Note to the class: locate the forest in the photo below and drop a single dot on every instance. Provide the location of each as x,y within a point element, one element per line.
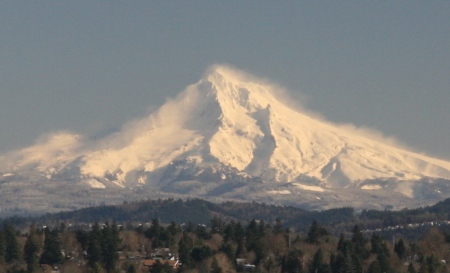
<point>228,237</point>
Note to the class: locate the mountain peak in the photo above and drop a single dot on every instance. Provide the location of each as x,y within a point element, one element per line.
<point>231,127</point>
<point>224,73</point>
<point>235,89</point>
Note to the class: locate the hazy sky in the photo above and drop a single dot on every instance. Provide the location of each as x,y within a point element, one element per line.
<point>90,66</point>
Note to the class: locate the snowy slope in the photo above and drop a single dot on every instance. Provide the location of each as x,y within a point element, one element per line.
<point>228,126</point>
<point>225,118</point>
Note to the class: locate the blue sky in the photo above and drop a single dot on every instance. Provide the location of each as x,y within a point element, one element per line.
<point>90,66</point>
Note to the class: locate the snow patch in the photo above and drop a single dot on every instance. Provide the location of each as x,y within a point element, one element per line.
<point>93,183</point>
<point>371,187</point>
<point>309,187</point>
<point>279,192</point>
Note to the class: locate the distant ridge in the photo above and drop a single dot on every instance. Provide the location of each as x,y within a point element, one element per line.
<point>414,222</point>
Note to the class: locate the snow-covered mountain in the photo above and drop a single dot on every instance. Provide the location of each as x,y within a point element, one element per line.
<point>230,135</point>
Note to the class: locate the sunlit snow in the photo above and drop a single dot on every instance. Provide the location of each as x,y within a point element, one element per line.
<point>371,187</point>
<point>94,183</point>
<point>309,187</point>
<point>279,192</point>
<point>237,121</point>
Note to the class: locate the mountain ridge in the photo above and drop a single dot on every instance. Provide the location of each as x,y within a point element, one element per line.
<point>228,128</point>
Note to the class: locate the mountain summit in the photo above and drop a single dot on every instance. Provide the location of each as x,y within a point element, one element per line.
<point>230,135</point>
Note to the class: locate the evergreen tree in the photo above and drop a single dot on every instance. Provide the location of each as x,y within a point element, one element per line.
<point>384,263</point>
<point>215,268</point>
<point>184,250</point>
<point>344,262</point>
<point>240,249</point>
<point>278,227</point>
<point>52,248</point>
<point>317,264</point>
<point>229,232</point>
<point>189,227</point>
<point>262,228</point>
<point>239,237</point>
<point>109,244</point>
<point>229,251</point>
<point>374,267</point>
<point>357,236</point>
<point>270,264</point>
<point>432,263</point>
<point>337,263</point>
<point>12,252</point>
<point>292,263</point>
<point>423,267</point>
<point>96,268</point>
<point>359,243</point>
<point>357,262</point>
<point>62,227</point>
<point>239,233</point>
<point>217,225</point>
<point>94,249</point>
<point>2,245</point>
<point>348,265</point>
<point>159,267</point>
<point>315,232</point>
<point>341,243</point>
<point>154,233</point>
<point>83,238</point>
<point>347,249</point>
<point>411,268</point>
<point>400,249</point>
<point>378,245</point>
<point>201,253</point>
<point>202,233</point>
<point>173,229</point>
<point>252,234</point>
<point>131,269</point>
<point>31,252</point>
<point>139,229</point>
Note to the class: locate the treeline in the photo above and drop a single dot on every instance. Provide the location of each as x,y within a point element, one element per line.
<point>192,210</point>
<point>218,247</point>
<point>41,249</point>
<point>438,212</point>
<point>201,212</point>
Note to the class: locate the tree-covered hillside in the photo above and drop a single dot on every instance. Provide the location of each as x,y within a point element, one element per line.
<point>199,211</point>
<point>219,246</point>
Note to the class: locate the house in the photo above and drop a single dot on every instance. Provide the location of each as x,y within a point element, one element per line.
<point>49,269</point>
<point>242,265</point>
<point>149,263</point>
